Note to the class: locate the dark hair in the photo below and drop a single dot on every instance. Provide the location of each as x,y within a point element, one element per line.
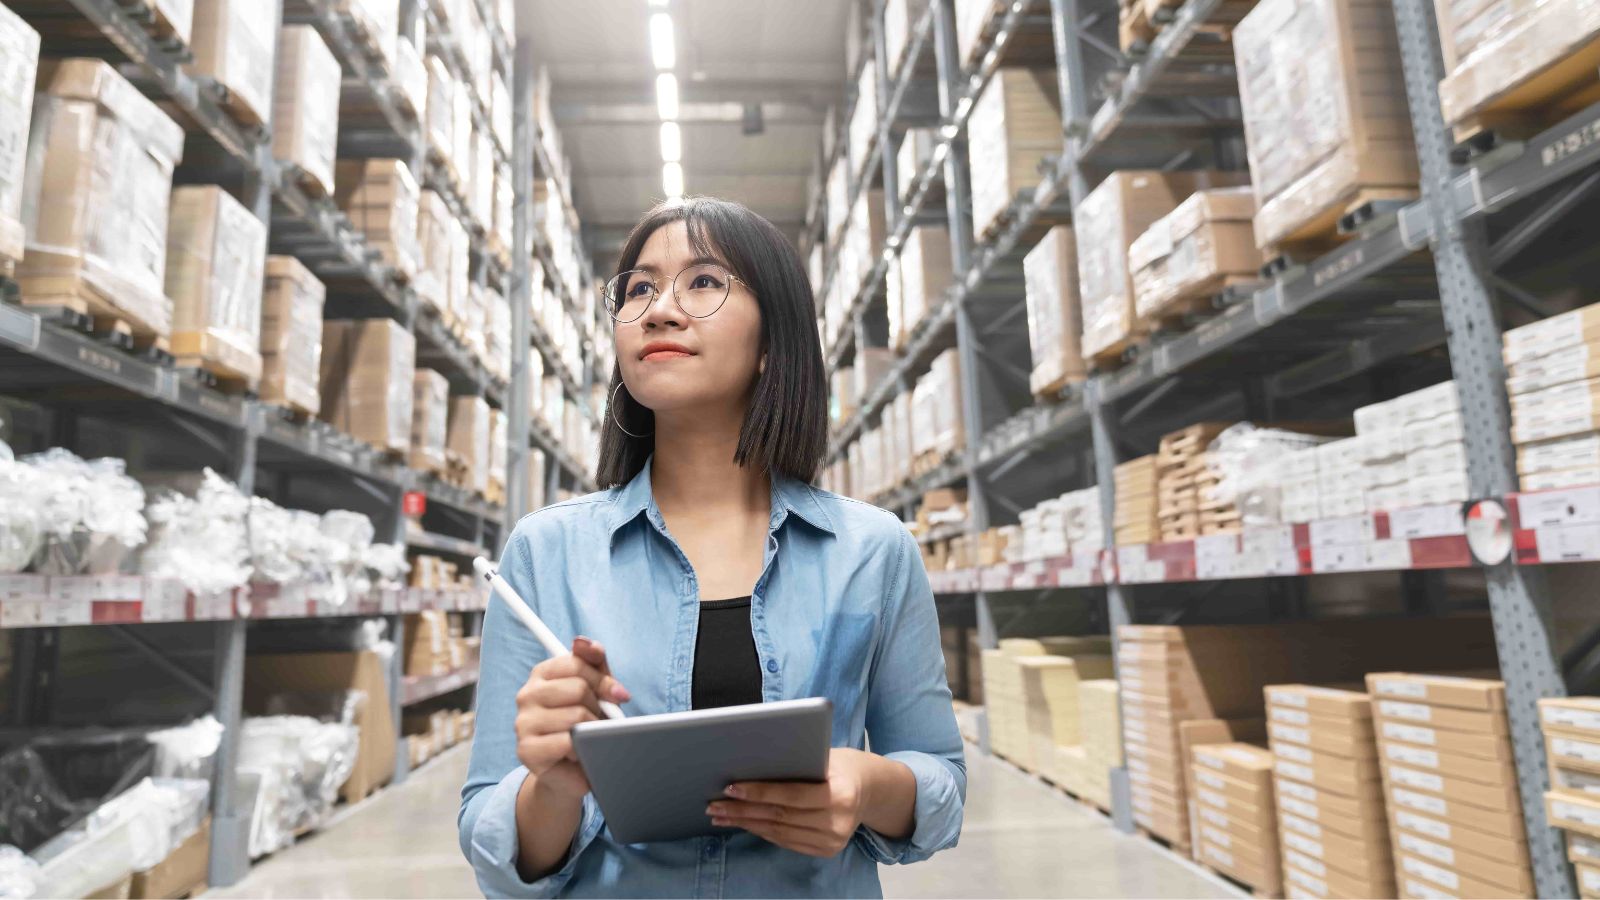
<point>786,427</point>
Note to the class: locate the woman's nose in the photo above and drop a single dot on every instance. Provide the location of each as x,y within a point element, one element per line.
<point>664,310</point>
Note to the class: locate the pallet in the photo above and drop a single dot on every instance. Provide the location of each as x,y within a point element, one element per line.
<point>1003,219</point>
<point>290,411</point>
<point>310,184</point>
<point>217,363</point>
<point>118,331</point>
<point>1121,352</point>
<point>234,105</point>
<point>1197,301</point>
<point>1051,390</point>
<point>1568,84</point>
<point>1327,230</point>
<point>1238,884</point>
<point>1181,848</point>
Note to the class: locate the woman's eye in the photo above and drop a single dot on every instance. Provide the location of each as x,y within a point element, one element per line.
<point>704,283</point>
<point>642,289</point>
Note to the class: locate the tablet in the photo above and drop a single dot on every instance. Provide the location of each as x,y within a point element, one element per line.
<point>654,775</point>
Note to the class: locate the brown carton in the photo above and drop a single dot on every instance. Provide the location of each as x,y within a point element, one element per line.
<point>291,336</point>
<point>269,674</point>
<point>1439,690</point>
<point>305,108</point>
<point>182,873</point>
<point>1015,124</point>
<point>1361,860</point>
<point>1443,718</point>
<point>1497,798</point>
<point>1517,65</point>
<point>233,46</point>
<point>1332,703</point>
<point>1481,746</point>
<point>1511,878</point>
<point>1483,771</point>
<point>1194,252</point>
<point>430,418</point>
<point>1577,715</point>
<point>367,374</point>
<point>216,260</point>
<point>1055,325</point>
<point>468,439</point>
<point>1506,847</point>
<point>1416,874</point>
<point>1311,802</point>
<point>381,198</point>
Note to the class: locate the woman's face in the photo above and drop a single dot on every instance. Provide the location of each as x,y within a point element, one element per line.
<point>671,361</point>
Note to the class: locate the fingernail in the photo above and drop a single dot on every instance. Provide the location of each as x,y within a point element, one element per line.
<point>735,791</point>
<point>713,810</point>
<point>620,694</point>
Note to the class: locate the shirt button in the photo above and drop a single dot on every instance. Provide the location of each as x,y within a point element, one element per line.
<point>711,847</point>
<point>772,666</point>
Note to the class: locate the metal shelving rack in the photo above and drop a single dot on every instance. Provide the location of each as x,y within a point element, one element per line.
<point>78,376</point>
<point>1412,293</point>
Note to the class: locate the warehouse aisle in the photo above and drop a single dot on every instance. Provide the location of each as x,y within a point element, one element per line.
<point>1022,839</point>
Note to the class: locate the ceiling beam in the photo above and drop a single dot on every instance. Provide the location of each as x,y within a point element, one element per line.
<point>644,114</point>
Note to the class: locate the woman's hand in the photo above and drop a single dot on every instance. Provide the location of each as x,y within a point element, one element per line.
<point>560,693</point>
<point>814,819</point>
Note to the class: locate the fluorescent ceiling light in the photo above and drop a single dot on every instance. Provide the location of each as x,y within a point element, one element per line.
<point>672,180</point>
<point>671,142</point>
<point>667,95</point>
<point>662,48</point>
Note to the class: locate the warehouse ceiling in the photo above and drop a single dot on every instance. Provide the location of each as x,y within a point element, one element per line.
<point>787,57</point>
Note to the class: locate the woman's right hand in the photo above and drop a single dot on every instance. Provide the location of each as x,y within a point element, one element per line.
<point>560,693</point>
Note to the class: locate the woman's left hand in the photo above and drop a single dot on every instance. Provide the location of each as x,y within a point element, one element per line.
<point>814,819</point>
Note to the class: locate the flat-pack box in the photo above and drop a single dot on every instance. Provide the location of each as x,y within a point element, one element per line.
<point>368,368</point>
<point>1505,848</point>
<point>233,45</point>
<point>216,262</point>
<point>1482,771</point>
<point>1566,454</point>
<point>1055,326</point>
<point>1518,64</point>
<point>437,229</point>
<point>1325,115</point>
<point>440,123</point>
<point>291,336</point>
<point>1566,409</point>
<point>1577,715</point>
<point>382,199</point>
<point>430,419</point>
<point>1367,862</point>
<point>1520,346</point>
<point>410,79</point>
<point>97,201</point>
<point>1490,745</point>
<point>1194,252</point>
<point>1579,362</point>
<point>1015,124</point>
<point>1306,876</point>
<point>1444,718</point>
<point>1419,876</point>
<point>1311,802</point>
<point>1514,878</point>
<point>1496,798</point>
<point>305,107</point>
<point>19,64</point>
<point>1439,690</point>
<point>468,439</point>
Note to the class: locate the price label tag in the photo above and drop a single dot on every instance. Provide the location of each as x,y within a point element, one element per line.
<point>23,587</point>
<point>1342,531</point>
<point>1339,558</point>
<point>1569,507</point>
<point>163,601</point>
<point>1570,543</point>
<point>1427,521</point>
<point>1389,554</point>
<point>77,611</point>
<point>21,613</point>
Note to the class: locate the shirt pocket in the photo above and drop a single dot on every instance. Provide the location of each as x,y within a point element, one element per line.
<point>841,665</point>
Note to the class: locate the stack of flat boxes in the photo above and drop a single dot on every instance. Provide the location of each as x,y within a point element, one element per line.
<point>1571,728</point>
<point>1137,509</point>
<point>1238,837</point>
<point>1180,470</point>
<point>1451,785</point>
<point>1051,699</point>
<point>1330,794</point>
<point>1553,376</point>
<point>1005,690</point>
<point>1341,478</point>
<point>1100,730</point>
<point>1148,675</point>
<point>1414,451</point>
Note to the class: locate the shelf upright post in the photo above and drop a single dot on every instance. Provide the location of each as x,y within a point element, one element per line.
<point>1519,597</point>
<point>958,206</point>
<point>891,175</point>
<point>519,393</point>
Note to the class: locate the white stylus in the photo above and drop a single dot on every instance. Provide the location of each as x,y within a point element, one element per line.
<point>525,614</point>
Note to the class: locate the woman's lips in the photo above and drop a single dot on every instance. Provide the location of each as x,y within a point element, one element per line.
<point>666,354</point>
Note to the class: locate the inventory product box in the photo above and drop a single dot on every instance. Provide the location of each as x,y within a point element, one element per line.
<point>1194,252</point>
<point>291,336</point>
<point>382,200</point>
<point>99,185</point>
<point>1548,336</point>
<point>440,123</point>
<point>410,79</point>
<point>1515,66</point>
<point>1496,797</point>
<point>216,261</point>
<point>1579,716</point>
<point>863,129</point>
<point>1515,879</point>
<point>469,440</point>
<point>924,277</point>
<point>1579,362</point>
<point>900,18</point>
<point>367,373</point>
<point>267,675</point>
<point>1054,323</point>
<point>430,418</point>
<point>1440,690</point>
<point>182,873</point>
<point>1015,124</point>
<point>427,650</point>
<point>233,46</point>
<point>1560,411</point>
<point>1325,116</point>
<point>19,63</point>
<point>305,110</point>
<point>378,21</point>
<point>1107,222</point>
<point>1482,746</point>
<point>436,230</point>
<point>1509,848</point>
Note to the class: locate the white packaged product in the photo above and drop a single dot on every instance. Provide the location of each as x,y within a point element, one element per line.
<point>1578,451</point>
<point>292,768</point>
<point>199,541</point>
<point>128,833</point>
<point>90,512</point>
<point>19,60</point>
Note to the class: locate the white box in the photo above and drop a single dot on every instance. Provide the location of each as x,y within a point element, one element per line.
<point>1341,456</point>
<point>1546,336</point>
<point>1434,432</point>
<point>1388,472</point>
<point>19,61</point>
<point>1441,460</point>
<point>1298,464</point>
<point>1430,402</point>
<point>1577,451</point>
<point>1566,478</point>
<point>1385,416</point>
<point>1575,363</point>
<point>1445,488</point>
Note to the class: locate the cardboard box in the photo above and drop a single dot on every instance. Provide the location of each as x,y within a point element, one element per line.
<point>1266,878</point>
<point>216,261</point>
<point>1352,743</point>
<point>1579,362</point>
<point>1551,335</point>
<point>1416,874</point>
<point>183,873</point>
<point>1329,778</point>
<point>1259,851</point>
<point>924,272</point>
<point>1194,251</point>
<point>1370,834</point>
<point>305,108</point>
<point>1339,768</point>
<point>270,674</point>
<point>1370,826</point>
<point>427,650</point>
<point>1323,806</point>
<point>1505,58</point>
<point>367,373</point>
<point>1054,322</point>
<point>1496,746</point>
<point>469,439</point>
<point>1362,861</point>
<point>1484,771</point>
<point>382,200</point>
<point>19,62</point>
<point>1014,125</point>
<point>1511,878</point>
<point>291,336</point>
<point>1439,690</point>
<point>1578,716</point>
<point>430,417</point>
<point>1303,873</point>
<point>1509,848</point>
<point>233,45</point>
<point>97,197</point>
<point>1338,706</point>
<point>1310,158</point>
<point>1250,814</point>
<point>1499,798</point>
<point>1442,718</point>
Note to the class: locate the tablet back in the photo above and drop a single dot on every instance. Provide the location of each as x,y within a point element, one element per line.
<point>654,775</point>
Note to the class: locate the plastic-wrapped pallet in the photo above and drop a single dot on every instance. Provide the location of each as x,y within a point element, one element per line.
<point>1015,124</point>
<point>468,440</point>
<point>920,276</point>
<point>291,336</point>
<point>368,368</point>
<point>305,110</point>
<point>233,45</point>
<point>1054,324</point>
<point>971,18</point>
<point>411,79</point>
<point>480,198</point>
<point>378,21</point>
<point>500,112</point>
<point>1107,222</point>
<point>1553,376</point>
<point>19,62</point>
<point>435,267</point>
<point>1571,727</point>
<point>950,432</point>
<point>216,260</point>
<point>430,418</point>
<point>916,151</point>
<point>1517,65</point>
<point>1194,252</point>
<point>440,130</point>
<point>1325,116</point>
<point>502,234</point>
<point>98,192</point>
<point>381,199</point>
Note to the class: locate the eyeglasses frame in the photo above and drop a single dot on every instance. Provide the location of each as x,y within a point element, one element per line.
<point>608,301</point>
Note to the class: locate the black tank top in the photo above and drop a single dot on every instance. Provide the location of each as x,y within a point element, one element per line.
<point>726,669</point>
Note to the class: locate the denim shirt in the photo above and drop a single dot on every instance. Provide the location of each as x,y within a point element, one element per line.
<point>842,610</point>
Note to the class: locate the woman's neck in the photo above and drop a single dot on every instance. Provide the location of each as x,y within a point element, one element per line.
<point>693,468</point>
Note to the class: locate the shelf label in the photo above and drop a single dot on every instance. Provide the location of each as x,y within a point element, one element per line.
<point>1341,531</point>
<point>1389,554</point>
<point>163,601</point>
<point>23,587</point>
<point>21,613</point>
<point>1570,543</point>
<point>1427,521</point>
<point>1339,558</point>
<point>1567,507</point>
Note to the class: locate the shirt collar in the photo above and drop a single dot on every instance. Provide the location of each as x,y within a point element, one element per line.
<point>789,497</point>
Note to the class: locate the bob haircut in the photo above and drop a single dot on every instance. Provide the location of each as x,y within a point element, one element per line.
<point>786,427</point>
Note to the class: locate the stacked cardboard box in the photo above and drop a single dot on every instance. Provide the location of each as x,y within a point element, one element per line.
<point>97,199</point>
<point>1136,520</point>
<point>19,63</point>
<point>1239,837</point>
<point>1107,222</point>
<point>937,424</point>
<point>1180,469</point>
<point>366,382</point>
<point>430,417</point>
<point>918,280</point>
<point>1413,449</point>
<point>1553,376</point>
<point>364,672</point>
<point>1100,728</point>
<point>1447,765</point>
<point>440,129</point>
<point>467,444</point>
<point>916,152</point>
<point>1571,728</point>
<point>1321,86</point>
<point>381,198</point>
<point>972,19</point>
<point>900,19</point>
<point>1051,712</point>
<point>1193,253</point>
<point>1005,688</point>
<point>1015,124</point>
<point>536,480</point>
<point>1516,66</point>
<point>291,336</point>
<point>1054,326</point>
<point>216,261</point>
<point>305,110</point>
<point>1335,830</point>
<point>427,650</point>
<point>233,46</point>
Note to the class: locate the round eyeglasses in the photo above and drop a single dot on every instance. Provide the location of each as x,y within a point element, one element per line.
<point>699,291</point>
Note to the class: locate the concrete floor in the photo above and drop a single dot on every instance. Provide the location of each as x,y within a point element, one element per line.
<point>1021,839</point>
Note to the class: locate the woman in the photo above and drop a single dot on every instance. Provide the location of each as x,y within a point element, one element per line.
<point>712,573</point>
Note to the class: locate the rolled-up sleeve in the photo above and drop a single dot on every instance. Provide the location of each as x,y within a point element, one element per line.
<point>487,821</point>
<point>910,718</point>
